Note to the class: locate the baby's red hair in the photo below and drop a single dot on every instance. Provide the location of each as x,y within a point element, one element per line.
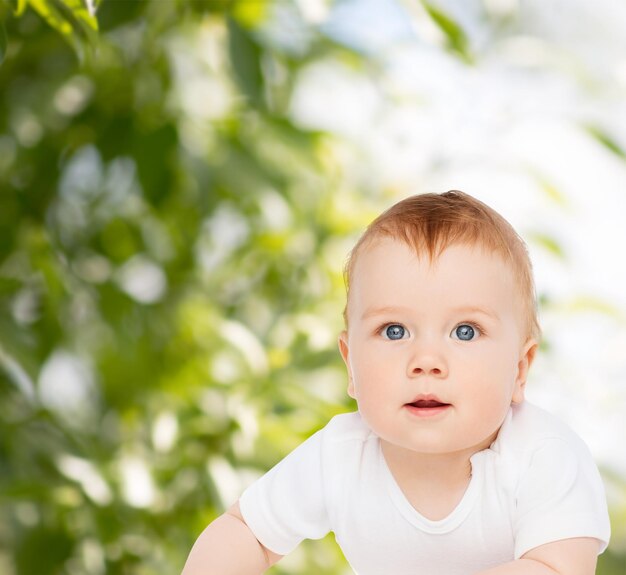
<point>429,223</point>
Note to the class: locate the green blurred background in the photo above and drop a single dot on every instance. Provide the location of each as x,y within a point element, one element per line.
<point>171,246</point>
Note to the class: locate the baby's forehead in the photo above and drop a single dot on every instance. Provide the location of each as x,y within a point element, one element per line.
<point>392,279</point>
<point>387,265</point>
<point>431,254</point>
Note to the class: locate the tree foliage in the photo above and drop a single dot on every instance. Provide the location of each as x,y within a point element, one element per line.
<point>166,254</point>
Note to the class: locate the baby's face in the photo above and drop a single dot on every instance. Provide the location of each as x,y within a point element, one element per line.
<point>452,330</point>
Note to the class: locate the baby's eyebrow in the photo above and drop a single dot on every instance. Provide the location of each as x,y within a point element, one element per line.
<point>374,311</point>
<point>476,309</point>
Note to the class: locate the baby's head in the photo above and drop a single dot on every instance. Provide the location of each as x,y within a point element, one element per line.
<point>441,307</point>
<point>430,223</point>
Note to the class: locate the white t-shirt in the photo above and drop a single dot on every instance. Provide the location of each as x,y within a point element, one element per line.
<point>537,483</point>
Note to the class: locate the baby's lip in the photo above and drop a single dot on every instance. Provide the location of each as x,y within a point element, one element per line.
<point>427,400</point>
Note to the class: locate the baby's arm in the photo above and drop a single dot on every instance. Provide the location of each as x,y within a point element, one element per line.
<point>228,547</point>
<point>575,556</point>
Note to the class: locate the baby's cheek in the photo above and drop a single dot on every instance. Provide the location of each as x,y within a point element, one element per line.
<point>365,363</point>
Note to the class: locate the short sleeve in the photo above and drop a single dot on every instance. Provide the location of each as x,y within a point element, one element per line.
<point>560,495</point>
<point>287,504</point>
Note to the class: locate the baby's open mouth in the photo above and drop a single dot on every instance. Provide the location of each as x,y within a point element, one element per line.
<point>427,403</point>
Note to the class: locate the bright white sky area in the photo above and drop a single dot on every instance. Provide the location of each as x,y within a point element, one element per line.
<point>511,130</point>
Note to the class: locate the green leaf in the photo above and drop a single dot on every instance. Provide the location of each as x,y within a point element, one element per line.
<point>549,188</point>
<point>20,6</point>
<point>79,10</point>
<point>250,14</point>
<point>549,243</point>
<point>246,59</point>
<point>591,303</point>
<point>72,19</point>
<point>457,40</point>
<point>554,193</point>
<point>50,13</point>
<point>3,43</point>
<point>606,140</point>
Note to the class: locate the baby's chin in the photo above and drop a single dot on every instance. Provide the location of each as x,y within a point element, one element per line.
<point>435,440</point>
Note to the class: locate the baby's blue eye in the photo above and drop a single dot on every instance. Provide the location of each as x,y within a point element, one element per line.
<point>464,332</point>
<point>394,331</point>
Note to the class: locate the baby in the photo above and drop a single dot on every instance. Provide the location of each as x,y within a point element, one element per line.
<point>445,469</point>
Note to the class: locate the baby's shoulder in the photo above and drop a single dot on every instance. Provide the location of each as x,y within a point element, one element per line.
<point>347,428</point>
<point>347,447</point>
<point>529,427</point>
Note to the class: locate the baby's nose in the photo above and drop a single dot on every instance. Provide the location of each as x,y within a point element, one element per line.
<point>434,370</point>
<point>428,362</point>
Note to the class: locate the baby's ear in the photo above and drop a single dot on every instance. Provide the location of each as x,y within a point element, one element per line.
<point>526,359</point>
<point>345,354</point>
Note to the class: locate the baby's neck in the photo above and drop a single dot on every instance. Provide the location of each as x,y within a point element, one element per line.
<point>447,470</point>
<point>426,468</point>
<point>434,484</point>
